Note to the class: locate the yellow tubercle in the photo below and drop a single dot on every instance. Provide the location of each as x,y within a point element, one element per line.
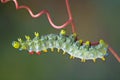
<point>36,34</point>
<point>80,41</point>
<point>63,32</point>
<point>87,43</point>
<point>16,44</point>
<point>27,37</point>
<point>101,41</point>
<point>19,39</point>
<point>75,35</point>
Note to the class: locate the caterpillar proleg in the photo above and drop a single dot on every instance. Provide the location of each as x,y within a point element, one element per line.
<point>69,44</point>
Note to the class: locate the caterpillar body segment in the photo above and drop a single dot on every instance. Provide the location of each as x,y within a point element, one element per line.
<point>69,44</point>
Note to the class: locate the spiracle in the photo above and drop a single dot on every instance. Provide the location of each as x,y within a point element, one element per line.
<point>69,44</point>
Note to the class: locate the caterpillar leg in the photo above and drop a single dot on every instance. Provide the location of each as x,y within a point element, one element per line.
<point>45,50</point>
<point>72,57</point>
<point>103,58</point>
<point>38,53</point>
<point>58,50</point>
<point>64,52</point>
<point>52,49</point>
<point>94,60</point>
<point>83,60</point>
<point>31,52</point>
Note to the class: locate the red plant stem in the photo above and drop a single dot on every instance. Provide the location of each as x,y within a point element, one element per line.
<point>114,53</point>
<point>69,21</point>
<point>70,16</point>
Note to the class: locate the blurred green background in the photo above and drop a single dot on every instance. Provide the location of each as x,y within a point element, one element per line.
<point>94,19</point>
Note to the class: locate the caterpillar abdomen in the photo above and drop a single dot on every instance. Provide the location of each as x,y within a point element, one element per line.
<point>69,44</point>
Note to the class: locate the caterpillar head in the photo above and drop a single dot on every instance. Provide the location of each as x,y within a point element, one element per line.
<point>16,44</point>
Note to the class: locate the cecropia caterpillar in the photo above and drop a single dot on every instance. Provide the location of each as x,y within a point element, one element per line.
<point>69,44</point>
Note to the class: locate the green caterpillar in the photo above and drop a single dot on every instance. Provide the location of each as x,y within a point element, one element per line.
<point>69,44</point>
